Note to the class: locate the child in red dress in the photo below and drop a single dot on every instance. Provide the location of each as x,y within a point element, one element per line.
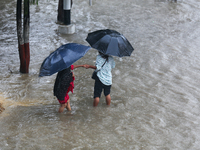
<point>63,85</point>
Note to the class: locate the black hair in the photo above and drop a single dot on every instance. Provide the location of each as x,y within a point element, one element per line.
<point>104,56</point>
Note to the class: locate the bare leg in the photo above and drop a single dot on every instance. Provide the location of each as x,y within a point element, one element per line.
<point>62,107</point>
<point>68,105</point>
<point>108,99</point>
<point>96,101</point>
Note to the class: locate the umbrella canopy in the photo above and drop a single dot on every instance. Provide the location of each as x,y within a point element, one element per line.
<point>62,58</point>
<point>110,42</point>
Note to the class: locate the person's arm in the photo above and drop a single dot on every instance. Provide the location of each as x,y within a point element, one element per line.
<point>89,66</point>
<point>77,66</point>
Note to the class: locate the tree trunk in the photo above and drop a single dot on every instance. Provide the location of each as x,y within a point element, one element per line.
<point>23,38</point>
<point>26,37</point>
<point>19,32</point>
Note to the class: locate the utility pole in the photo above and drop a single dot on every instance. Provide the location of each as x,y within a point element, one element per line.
<point>90,2</point>
<point>67,11</point>
<point>64,17</point>
<point>23,35</point>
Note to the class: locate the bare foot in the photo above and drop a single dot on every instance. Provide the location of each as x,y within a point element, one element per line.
<point>68,105</point>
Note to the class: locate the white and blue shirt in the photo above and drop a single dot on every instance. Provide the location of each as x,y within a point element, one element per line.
<point>105,75</point>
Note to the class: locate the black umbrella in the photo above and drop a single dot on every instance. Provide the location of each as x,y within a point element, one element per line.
<point>110,42</point>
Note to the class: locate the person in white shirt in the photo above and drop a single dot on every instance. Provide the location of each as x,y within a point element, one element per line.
<point>104,65</point>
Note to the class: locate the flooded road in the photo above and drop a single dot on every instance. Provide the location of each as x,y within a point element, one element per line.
<point>155,92</point>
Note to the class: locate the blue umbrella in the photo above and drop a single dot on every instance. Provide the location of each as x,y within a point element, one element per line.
<point>62,58</point>
<point>110,42</point>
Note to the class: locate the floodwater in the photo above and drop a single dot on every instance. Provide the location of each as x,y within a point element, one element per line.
<point>155,92</point>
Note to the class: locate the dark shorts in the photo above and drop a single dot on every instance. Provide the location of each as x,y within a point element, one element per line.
<point>99,86</point>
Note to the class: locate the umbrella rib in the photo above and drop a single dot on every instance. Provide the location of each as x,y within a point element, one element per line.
<point>118,39</point>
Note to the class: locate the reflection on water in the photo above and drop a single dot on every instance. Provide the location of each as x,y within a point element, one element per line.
<point>155,92</point>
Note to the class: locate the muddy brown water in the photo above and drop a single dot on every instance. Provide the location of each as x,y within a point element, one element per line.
<point>155,92</point>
